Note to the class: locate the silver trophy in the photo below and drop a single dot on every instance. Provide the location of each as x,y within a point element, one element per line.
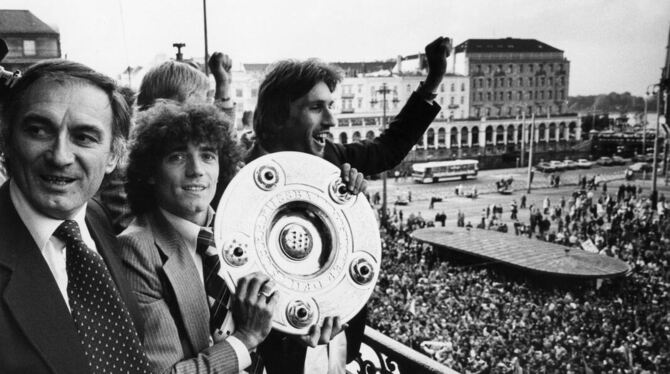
<point>288,215</point>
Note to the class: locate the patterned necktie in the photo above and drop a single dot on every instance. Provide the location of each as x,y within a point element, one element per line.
<point>215,286</point>
<point>103,322</point>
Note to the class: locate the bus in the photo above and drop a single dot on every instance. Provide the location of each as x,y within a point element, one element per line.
<point>436,171</point>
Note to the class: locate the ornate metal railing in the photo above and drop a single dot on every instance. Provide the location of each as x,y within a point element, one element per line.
<point>390,356</point>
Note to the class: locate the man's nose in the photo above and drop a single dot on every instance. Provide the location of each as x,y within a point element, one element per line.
<point>61,153</point>
<point>329,118</point>
<point>194,166</point>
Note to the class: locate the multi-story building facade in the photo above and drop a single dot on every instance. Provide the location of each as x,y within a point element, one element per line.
<point>28,39</point>
<point>510,77</point>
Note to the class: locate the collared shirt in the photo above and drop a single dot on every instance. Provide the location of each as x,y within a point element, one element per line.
<point>41,228</point>
<point>189,232</point>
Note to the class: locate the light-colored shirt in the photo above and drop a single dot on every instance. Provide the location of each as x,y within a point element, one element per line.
<point>41,228</point>
<point>189,232</point>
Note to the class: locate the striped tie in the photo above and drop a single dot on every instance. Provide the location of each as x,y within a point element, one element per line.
<point>217,291</point>
<point>215,286</point>
<point>102,320</point>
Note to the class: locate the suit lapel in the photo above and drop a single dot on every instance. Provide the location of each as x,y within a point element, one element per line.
<point>185,281</point>
<point>33,297</point>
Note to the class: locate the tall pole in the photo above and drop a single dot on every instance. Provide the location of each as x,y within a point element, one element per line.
<point>644,127</point>
<point>384,172</point>
<point>530,150</point>
<point>654,192</point>
<point>523,137</point>
<point>204,12</point>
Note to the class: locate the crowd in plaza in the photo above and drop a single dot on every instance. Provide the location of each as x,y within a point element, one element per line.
<point>479,318</point>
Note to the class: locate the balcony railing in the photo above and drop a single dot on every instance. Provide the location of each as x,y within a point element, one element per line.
<point>391,356</point>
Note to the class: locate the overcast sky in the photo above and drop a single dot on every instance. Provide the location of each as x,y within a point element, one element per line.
<point>613,45</point>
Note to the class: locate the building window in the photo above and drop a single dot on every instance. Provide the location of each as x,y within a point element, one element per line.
<point>541,81</point>
<point>510,68</point>
<point>451,100</point>
<point>551,68</point>
<point>441,100</point>
<point>510,82</point>
<point>519,95</point>
<point>530,95</point>
<point>531,68</point>
<point>550,94</point>
<point>479,68</point>
<point>520,81</point>
<point>238,92</point>
<point>509,95</point>
<point>481,82</point>
<point>530,81</point>
<point>550,80</point>
<point>29,48</point>
<point>360,102</point>
<point>453,87</point>
<point>442,87</point>
<point>479,96</point>
<point>360,88</point>
<point>254,92</point>
<point>462,99</point>
<point>462,86</point>
<point>520,68</point>
<point>488,83</point>
<point>488,96</point>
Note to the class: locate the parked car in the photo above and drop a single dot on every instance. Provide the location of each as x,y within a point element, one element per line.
<point>604,161</point>
<point>638,170</point>
<point>544,167</point>
<point>583,163</point>
<point>569,164</point>
<point>557,165</point>
<point>618,160</point>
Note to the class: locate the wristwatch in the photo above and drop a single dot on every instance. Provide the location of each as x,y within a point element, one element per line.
<point>424,93</point>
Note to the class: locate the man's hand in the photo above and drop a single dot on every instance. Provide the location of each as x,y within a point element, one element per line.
<point>220,65</point>
<point>436,55</point>
<point>323,335</point>
<point>253,304</point>
<point>354,180</point>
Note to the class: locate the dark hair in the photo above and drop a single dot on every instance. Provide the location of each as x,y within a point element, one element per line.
<point>173,80</point>
<point>164,125</point>
<point>285,82</point>
<point>64,71</point>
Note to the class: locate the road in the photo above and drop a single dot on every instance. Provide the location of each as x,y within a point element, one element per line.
<point>485,184</point>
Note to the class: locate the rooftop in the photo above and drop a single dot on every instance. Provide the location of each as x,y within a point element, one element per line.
<point>504,45</point>
<point>22,22</point>
<point>521,252</point>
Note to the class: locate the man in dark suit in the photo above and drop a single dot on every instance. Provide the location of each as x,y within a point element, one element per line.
<point>294,113</point>
<point>172,173</point>
<point>65,307</point>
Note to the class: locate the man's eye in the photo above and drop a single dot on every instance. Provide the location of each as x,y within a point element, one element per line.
<point>36,131</point>
<point>175,157</point>
<point>209,156</point>
<point>85,138</point>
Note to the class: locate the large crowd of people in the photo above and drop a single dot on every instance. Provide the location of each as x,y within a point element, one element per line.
<point>481,318</point>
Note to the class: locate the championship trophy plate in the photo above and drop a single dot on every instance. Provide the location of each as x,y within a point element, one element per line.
<point>288,215</point>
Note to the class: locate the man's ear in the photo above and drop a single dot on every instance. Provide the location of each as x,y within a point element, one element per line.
<point>112,161</point>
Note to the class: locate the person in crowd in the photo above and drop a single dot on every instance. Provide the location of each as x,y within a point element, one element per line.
<point>172,173</point>
<point>182,82</point>
<point>294,113</point>
<point>66,306</point>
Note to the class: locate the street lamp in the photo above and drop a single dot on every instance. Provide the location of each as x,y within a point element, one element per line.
<point>651,90</point>
<point>383,90</point>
